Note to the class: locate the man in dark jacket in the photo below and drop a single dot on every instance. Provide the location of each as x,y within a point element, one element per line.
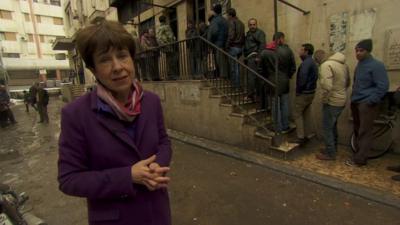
<point>235,44</point>
<point>42,102</point>
<point>218,35</point>
<point>306,82</point>
<point>278,50</point>
<point>5,110</point>
<point>254,44</point>
<point>193,49</point>
<point>370,85</point>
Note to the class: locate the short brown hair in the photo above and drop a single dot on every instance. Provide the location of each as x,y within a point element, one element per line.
<point>101,37</point>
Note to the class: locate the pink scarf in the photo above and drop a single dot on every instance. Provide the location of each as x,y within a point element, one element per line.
<point>129,111</point>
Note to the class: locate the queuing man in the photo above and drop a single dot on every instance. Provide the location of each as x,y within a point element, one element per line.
<point>253,46</point>
<point>277,49</point>
<point>166,36</point>
<point>235,44</point>
<point>218,35</point>
<point>334,83</point>
<point>370,85</point>
<point>306,83</point>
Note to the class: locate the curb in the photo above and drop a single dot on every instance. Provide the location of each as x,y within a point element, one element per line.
<point>262,160</point>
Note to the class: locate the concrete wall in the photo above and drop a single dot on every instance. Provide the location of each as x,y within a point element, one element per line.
<point>188,108</point>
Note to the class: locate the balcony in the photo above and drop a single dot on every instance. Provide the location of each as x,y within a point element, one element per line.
<point>7,5</point>
<point>8,26</point>
<point>10,47</point>
<point>35,64</point>
<point>42,9</point>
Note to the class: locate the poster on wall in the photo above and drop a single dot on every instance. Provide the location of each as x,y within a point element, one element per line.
<point>338,31</point>
<point>392,53</point>
<point>226,4</point>
<point>362,24</point>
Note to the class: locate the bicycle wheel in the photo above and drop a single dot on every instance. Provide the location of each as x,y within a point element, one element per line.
<point>382,142</point>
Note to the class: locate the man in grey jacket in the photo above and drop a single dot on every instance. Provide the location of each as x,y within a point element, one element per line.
<point>334,83</point>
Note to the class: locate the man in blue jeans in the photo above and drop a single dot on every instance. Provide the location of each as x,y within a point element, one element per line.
<point>235,44</point>
<point>334,83</point>
<point>278,50</point>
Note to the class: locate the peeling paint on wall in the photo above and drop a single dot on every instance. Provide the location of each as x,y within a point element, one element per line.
<point>338,32</point>
<point>362,24</point>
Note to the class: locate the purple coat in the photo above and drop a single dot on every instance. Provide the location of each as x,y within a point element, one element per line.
<point>96,153</point>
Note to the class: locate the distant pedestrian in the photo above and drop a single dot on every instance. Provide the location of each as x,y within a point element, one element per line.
<point>334,83</point>
<point>27,100</point>
<point>33,93</point>
<point>254,45</point>
<point>306,83</point>
<point>235,45</point>
<point>6,114</point>
<point>43,101</point>
<point>370,85</point>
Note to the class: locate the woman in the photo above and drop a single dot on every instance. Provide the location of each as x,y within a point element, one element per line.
<point>113,147</point>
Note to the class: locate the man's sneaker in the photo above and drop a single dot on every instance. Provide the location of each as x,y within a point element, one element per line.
<point>301,141</point>
<point>396,177</point>
<point>350,162</point>
<point>286,131</point>
<point>322,156</point>
<point>394,168</point>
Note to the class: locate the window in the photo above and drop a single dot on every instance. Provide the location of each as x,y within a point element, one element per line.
<point>8,36</point>
<point>27,17</point>
<point>58,21</point>
<point>10,55</point>
<point>55,2</point>
<point>41,38</point>
<point>30,37</point>
<point>5,15</point>
<point>38,19</point>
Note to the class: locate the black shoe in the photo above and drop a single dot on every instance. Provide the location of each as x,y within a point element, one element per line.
<point>396,177</point>
<point>394,168</point>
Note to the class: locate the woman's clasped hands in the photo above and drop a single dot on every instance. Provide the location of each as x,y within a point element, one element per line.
<point>149,173</point>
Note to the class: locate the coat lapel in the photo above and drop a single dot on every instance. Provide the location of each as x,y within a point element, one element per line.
<point>114,126</point>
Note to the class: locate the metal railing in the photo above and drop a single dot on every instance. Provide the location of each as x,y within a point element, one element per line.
<point>246,90</point>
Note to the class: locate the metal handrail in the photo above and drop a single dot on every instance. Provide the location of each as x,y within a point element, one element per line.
<point>156,57</point>
<point>253,72</point>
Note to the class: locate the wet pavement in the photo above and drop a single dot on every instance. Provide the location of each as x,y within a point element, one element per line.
<point>206,188</point>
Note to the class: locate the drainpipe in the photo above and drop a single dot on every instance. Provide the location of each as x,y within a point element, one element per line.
<point>36,36</point>
<point>35,33</point>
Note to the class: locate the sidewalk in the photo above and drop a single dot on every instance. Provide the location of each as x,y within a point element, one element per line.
<point>372,181</point>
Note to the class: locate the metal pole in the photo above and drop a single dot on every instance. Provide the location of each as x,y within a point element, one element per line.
<point>196,7</point>
<point>295,7</point>
<point>276,141</point>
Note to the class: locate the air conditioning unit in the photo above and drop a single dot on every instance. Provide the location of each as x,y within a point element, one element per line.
<point>24,37</point>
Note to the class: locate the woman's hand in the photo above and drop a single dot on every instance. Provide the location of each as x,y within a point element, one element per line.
<point>149,173</point>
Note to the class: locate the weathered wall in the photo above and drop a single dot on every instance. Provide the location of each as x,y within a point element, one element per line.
<point>314,28</point>
<point>188,108</point>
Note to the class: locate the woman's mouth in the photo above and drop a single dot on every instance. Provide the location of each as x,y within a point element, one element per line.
<point>119,78</point>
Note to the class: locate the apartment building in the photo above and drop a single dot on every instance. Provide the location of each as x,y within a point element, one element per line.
<point>28,28</point>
